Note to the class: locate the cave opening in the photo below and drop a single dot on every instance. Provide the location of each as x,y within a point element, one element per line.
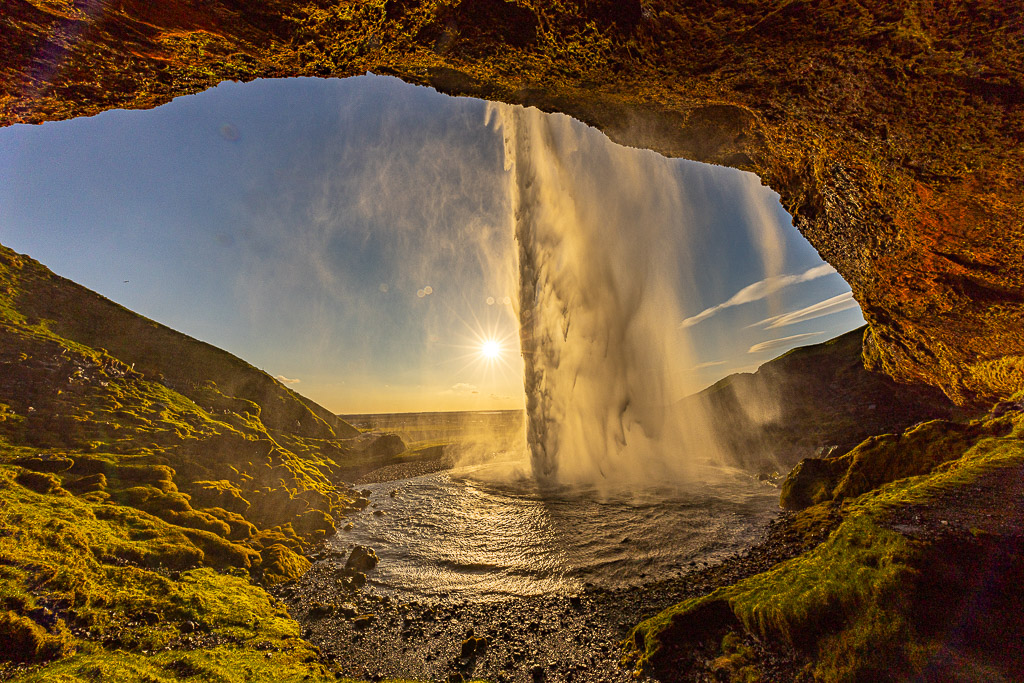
<point>363,240</point>
<point>891,133</point>
<point>260,216</point>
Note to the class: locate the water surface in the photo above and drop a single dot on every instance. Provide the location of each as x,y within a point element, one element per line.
<point>485,532</point>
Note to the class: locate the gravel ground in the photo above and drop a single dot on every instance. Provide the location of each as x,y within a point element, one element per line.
<point>405,470</point>
<point>993,505</point>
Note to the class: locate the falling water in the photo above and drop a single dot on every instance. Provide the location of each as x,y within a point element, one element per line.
<point>599,305</point>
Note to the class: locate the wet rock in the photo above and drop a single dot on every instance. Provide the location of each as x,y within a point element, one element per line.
<point>45,462</point>
<point>362,559</point>
<point>149,618</point>
<point>1004,407</point>
<point>810,482</point>
<point>43,616</point>
<point>473,647</point>
<point>320,610</point>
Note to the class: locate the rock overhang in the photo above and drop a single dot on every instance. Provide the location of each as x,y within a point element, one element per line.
<point>890,133</point>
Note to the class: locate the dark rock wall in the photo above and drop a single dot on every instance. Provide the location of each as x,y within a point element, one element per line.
<point>891,129</point>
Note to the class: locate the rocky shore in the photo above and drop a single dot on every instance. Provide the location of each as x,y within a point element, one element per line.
<point>575,637</point>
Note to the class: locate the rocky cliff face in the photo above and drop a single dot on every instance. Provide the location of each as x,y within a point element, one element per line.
<point>891,129</point>
<point>812,401</point>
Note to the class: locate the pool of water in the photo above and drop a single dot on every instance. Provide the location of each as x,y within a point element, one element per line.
<point>490,531</point>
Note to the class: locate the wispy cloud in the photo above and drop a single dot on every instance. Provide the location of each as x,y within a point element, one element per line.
<point>760,290</point>
<point>711,364</point>
<point>461,389</point>
<point>837,304</point>
<point>773,344</point>
<point>284,380</point>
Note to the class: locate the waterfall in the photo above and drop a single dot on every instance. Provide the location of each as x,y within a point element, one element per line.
<point>599,306</point>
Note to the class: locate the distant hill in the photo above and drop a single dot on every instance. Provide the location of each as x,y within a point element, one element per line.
<point>810,400</point>
<point>157,351</point>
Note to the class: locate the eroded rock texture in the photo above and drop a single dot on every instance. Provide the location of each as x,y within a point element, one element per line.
<point>891,128</point>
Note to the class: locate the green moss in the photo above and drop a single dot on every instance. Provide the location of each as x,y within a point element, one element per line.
<point>738,661</point>
<point>861,565</point>
<point>281,564</point>
<point>90,483</point>
<point>219,552</point>
<point>222,494</point>
<point>852,602</point>
<point>238,528</point>
<point>26,641</point>
<point>917,451</point>
<point>39,482</point>
<point>885,458</point>
<point>102,568</point>
<point>218,664</point>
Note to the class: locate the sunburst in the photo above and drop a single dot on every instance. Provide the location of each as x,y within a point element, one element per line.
<point>491,349</point>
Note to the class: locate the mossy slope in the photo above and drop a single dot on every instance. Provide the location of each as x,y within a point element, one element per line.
<point>147,488</point>
<point>159,353</point>
<point>921,580</point>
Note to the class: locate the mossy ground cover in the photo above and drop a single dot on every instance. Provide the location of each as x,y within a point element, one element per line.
<point>144,505</point>
<point>113,593</point>
<point>873,601</point>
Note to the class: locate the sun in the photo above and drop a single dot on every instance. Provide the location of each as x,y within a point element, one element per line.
<point>490,349</point>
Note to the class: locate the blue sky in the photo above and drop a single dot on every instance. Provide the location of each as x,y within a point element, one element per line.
<point>353,235</point>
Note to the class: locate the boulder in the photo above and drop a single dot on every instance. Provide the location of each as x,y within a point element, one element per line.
<point>811,482</point>
<point>357,581</point>
<point>362,559</point>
